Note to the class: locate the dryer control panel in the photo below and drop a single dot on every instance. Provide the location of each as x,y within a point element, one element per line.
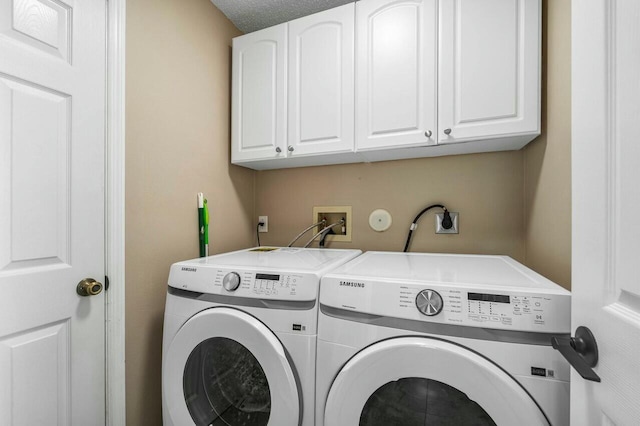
<point>270,285</point>
<point>268,273</point>
<point>250,284</point>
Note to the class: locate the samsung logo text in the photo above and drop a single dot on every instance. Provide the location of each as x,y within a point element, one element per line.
<point>351,284</point>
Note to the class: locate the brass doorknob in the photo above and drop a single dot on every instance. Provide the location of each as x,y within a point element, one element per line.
<point>89,287</point>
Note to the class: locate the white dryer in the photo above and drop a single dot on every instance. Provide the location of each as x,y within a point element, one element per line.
<point>434,339</point>
<point>239,338</point>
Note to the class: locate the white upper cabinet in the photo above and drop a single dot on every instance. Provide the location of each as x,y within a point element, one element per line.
<point>395,73</point>
<point>365,81</point>
<point>489,71</point>
<point>321,91</point>
<point>258,105</point>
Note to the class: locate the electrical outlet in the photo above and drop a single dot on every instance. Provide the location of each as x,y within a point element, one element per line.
<point>452,230</point>
<point>265,223</point>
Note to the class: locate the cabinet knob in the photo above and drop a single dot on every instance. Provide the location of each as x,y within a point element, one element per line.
<point>278,150</point>
<point>447,132</point>
<point>428,133</point>
<point>290,148</point>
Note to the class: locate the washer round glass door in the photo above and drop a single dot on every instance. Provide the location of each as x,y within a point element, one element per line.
<point>416,381</point>
<point>224,367</point>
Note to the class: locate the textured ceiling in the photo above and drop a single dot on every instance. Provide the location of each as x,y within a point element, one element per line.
<point>253,15</point>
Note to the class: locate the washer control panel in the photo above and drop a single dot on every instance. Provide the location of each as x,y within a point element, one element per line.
<point>515,309</point>
<point>429,302</point>
<point>486,309</point>
<point>231,281</point>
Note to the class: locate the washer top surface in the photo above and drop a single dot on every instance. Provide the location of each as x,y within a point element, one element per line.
<point>492,292</point>
<point>456,269</point>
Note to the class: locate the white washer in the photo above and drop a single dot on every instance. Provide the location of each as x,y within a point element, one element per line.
<point>240,337</point>
<point>411,338</point>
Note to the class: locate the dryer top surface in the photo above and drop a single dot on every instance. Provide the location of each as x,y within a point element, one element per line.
<point>277,259</point>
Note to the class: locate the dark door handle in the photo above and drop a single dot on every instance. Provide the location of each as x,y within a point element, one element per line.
<point>581,352</point>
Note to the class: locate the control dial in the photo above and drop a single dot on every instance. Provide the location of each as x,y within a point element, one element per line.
<point>231,281</point>
<point>429,302</point>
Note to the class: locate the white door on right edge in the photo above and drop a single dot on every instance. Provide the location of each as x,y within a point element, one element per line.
<point>488,69</point>
<point>606,206</point>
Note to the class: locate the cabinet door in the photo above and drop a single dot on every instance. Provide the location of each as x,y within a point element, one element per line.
<point>258,122</point>
<point>395,73</point>
<point>321,82</point>
<point>489,69</point>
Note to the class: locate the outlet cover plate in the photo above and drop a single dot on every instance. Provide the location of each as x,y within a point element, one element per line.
<point>265,227</point>
<point>453,230</point>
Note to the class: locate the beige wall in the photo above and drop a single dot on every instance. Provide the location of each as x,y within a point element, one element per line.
<point>547,172</point>
<point>178,65</point>
<point>485,188</point>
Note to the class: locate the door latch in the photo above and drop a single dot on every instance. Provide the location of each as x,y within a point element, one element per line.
<point>580,351</point>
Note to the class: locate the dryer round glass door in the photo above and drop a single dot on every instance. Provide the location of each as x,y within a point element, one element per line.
<point>226,367</point>
<point>224,381</point>
<point>416,381</point>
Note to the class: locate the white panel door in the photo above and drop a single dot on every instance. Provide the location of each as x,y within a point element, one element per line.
<point>395,73</point>
<point>52,108</point>
<point>258,101</point>
<point>606,206</point>
<point>489,69</point>
<point>321,82</point>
